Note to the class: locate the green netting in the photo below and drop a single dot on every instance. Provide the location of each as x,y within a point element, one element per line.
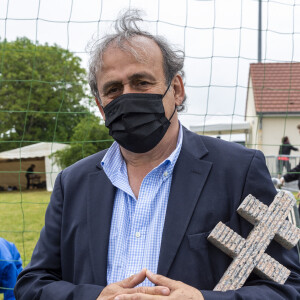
<point>44,96</point>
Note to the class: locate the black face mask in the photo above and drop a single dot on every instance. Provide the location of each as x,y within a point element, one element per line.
<point>137,121</point>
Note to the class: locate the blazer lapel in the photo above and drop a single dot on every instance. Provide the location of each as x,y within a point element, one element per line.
<point>189,176</point>
<point>100,202</point>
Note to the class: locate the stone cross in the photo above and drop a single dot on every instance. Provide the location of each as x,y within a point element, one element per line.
<point>249,254</point>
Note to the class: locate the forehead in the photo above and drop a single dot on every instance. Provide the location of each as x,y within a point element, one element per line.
<point>139,52</point>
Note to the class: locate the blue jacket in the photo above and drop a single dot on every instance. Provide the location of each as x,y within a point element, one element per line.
<point>210,179</point>
<point>10,267</point>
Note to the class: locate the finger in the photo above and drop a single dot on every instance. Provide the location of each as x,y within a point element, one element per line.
<point>133,280</point>
<point>161,280</point>
<point>139,296</point>
<point>153,290</point>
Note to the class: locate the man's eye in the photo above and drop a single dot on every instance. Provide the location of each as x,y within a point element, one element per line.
<point>112,91</point>
<point>143,83</point>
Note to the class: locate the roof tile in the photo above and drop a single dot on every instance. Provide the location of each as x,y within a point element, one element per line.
<point>276,87</point>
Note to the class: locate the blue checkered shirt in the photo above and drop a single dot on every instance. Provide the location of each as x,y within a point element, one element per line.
<point>137,225</point>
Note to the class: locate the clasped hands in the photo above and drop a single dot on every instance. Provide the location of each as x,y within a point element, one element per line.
<point>165,289</point>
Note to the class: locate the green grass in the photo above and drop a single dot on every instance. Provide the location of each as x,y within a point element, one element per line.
<point>297,199</point>
<point>22,218</point>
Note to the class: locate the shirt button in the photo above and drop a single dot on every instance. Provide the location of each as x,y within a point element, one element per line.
<point>137,234</point>
<point>166,173</point>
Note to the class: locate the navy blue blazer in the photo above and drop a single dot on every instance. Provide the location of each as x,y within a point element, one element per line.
<point>210,179</point>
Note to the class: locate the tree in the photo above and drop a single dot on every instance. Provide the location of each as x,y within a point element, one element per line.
<point>41,91</point>
<point>88,138</point>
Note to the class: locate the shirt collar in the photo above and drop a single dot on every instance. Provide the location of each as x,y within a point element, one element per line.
<point>114,165</point>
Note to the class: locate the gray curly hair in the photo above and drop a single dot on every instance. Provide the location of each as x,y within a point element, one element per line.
<point>126,29</point>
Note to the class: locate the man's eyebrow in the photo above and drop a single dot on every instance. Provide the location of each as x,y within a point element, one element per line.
<point>142,75</point>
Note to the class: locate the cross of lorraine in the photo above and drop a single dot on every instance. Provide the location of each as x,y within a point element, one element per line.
<point>249,254</point>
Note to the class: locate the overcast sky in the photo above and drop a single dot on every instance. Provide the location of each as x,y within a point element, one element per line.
<point>219,39</point>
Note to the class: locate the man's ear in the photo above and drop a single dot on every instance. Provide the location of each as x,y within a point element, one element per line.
<point>100,108</point>
<point>178,89</point>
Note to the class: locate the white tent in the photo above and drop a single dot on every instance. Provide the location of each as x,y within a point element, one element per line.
<point>221,128</point>
<point>40,150</point>
<point>221,125</point>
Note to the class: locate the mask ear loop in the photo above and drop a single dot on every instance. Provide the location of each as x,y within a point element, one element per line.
<point>164,96</point>
<point>172,114</point>
<point>167,90</point>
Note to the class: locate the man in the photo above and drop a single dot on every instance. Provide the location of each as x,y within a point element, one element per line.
<point>146,205</point>
<point>285,149</point>
<point>10,267</point>
<point>293,174</point>
<point>28,175</point>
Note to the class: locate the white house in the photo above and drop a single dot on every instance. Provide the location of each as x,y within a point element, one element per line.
<point>273,105</point>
